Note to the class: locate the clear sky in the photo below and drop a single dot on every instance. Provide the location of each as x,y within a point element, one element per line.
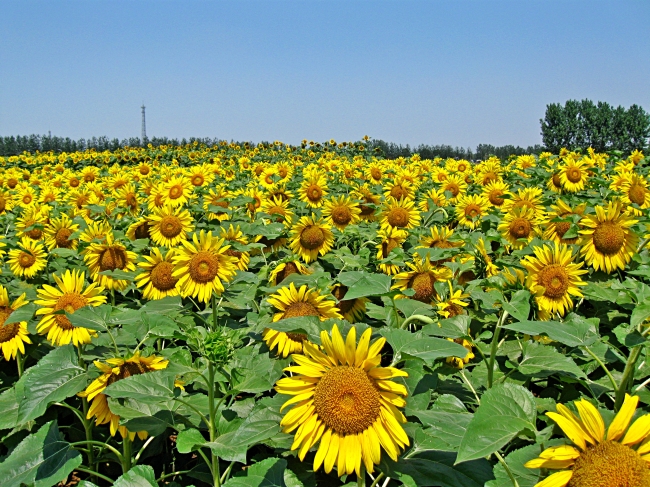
<point>435,72</point>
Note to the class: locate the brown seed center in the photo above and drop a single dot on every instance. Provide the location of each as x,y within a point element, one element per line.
<point>636,194</point>
<point>7,330</point>
<point>573,174</point>
<point>62,240</point>
<point>70,302</point>
<point>171,226</point>
<point>204,267</point>
<point>312,237</point>
<point>341,215</point>
<point>422,284</point>
<point>112,258</point>
<point>398,217</point>
<point>26,260</point>
<point>161,277</point>
<point>300,308</point>
<point>609,238</point>
<point>520,228</point>
<point>555,280</point>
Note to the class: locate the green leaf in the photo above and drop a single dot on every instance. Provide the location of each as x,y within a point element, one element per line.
<point>640,313</point>
<point>267,473</point>
<point>505,411</point>
<point>42,459</point>
<point>418,345</point>
<point>189,440</point>
<point>93,318</point>
<point>360,284</point>
<point>525,477</point>
<point>164,305</point>
<point>152,387</point>
<point>579,332</point>
<point>439,469</point>
<point>519,305</point>
<point>411,307</point>
<point>55,377</point>
<point>257,374</point>
<point>24,313</point>
<point>9,408</point>
<point>119,274</point>
<point>138,476</point>
<point>542,360</point>
<point>302,324</point>
<point>232,446</point>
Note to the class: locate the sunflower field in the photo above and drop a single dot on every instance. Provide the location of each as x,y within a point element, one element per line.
<point>273,315</point>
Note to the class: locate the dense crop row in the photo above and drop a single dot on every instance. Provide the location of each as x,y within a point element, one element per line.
<point>280,315</point>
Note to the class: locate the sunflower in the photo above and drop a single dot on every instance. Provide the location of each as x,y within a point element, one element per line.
<point>156,278</point>
<point>202,266</point>
<point>235,235</point>
<point>31,223</point>
<point>453,304</point>
<point>400,214</point>
<point>635,191</point>
<point>439,175</point>
<point>140,229</point>
<point>375,172</point>
<point>200,175</point>
<point>519,227</point>
<point>6,202</point>
<point>554,278</point>
<point>608,243</point>
<point>109,256</point>
<point>454,184</point>
<point>57,233</point>
<point>398,189</point>
<point>495,191</point>
<point>28,260</point>
<point>177,191</point>
<point>554,183</point>
<point>217,198</point>
<point>435,196</point>
<point>555,230</point>
<point>389,239</point>
<point>353,310</point>
<point>96,231</point>
<point>438,238</point>
<point>26,196</point>
<point>313,190</point>
<point>421,278</point>
<point>345,399</point>
<point>168,226</point>
<point>291,303</point>
<point>340,211</point>
<point>484,260</point>
<point>285,343</point>
<point>113,370</point>
<point>612,458</point>
<point>278,208</point>
<point>526,198</point>
<point>470,209</point>
<point>310,237</point>
<point>574,175</point>
<point>368,202</point>
<point>13,336</point>
<point>127,199</point>
<point>257,196</point>
<point>285,269</point>
<point>460,362</point>
<point>268,177</point>
<point>70,296</point>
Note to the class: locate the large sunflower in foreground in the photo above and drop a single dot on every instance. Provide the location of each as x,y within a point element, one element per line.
<point>13,336</point>
<point>114,370</point>
<point>27,260</point>
<point>310,237</point>
<point>109,256</point>
<point>470,209</point>
<point>69,296</point>
<point>554,278</point>
<point>618,457</point>
<point>202,265</point>
<point>608,243</point>
<point>346,400</point>
<point>293,303</point>
<point>156,278</point>
<point>169,225</point>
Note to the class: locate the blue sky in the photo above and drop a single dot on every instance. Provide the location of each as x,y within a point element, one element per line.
<point>452,72</point>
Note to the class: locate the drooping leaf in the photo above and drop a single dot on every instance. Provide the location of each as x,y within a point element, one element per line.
<point>24,313</point>
<point>189,440</point>
<point>55,377</point>
<point>42,459</point>
<point>9,408</point>
<point>152,387</point>
<point>505,411</point>
<point>519,305</point>
<point>233,446</point>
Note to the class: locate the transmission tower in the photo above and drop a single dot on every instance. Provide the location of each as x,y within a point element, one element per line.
<point>144,126</point>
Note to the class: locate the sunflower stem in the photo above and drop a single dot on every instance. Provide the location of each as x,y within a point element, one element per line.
<point>507,469</point>
<point>214,460</point>
<point>628,375</point>
<point>412,318</point>
<point>20,363</point>
<point>95,474</point>
<point>494,347</point>
<point>602,365</point>
<point>126,453</point>
<point>377,479</point>
<point>642,244</point>
<point>361,478</point>
<point>88,429</point>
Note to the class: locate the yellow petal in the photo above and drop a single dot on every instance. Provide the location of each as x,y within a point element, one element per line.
<point>623,418</point>
<point>563,452</point>
<point>338,345</point>
<point>559,479</point>
<point>322,449</point>
<point>332,453</point>
<point>351,346</point>
<point>638,431</point>
<point>362,348</point>
<point>591,419</point>
<point>549,463</point>
<point>568,414</point>
<point>571,430</point>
